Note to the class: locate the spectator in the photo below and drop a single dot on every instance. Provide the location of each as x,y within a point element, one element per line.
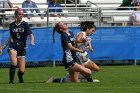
<point>4,4</point>
<point>30,4</point>
<point>136,14</point>
<point>126,3</point>
<point>134,2</point>
<point>57,9</point>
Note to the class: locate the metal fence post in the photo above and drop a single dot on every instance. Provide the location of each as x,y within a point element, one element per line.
<point>135,62</point>
<point>99,18</point>
<point>53,63</point>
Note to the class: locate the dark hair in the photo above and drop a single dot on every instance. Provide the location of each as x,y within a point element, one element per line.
<point>87,24</point>
<point>56,29</point>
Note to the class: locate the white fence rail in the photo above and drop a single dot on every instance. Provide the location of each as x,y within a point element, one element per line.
<point>102,16</point>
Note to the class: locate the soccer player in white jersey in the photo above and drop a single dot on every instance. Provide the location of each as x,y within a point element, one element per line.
<point>84,42</point>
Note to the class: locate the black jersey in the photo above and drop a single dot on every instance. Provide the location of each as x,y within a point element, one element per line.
<point>69,56</point>
<point>19,33</point>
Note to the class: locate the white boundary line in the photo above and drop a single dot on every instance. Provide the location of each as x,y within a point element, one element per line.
<point>40,89</point>
<point>89,87</point>
<point>35,89</point>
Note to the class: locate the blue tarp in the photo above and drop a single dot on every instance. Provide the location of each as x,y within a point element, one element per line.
<point>109,43</point>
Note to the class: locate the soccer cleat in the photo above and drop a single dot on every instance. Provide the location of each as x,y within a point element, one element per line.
<point>95,80</point>
<point>20,77</point>
<point>50,80</point>
<point>21,80</point>
<point>11,82</point>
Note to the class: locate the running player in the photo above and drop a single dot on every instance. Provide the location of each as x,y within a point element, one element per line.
<point>19,30</point>
<point>69,56</point>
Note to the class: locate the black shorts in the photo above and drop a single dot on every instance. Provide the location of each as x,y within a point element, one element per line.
<point>70,64</point>
<point>21,51</point>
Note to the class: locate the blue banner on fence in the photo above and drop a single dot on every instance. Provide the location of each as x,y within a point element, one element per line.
<point>109,43</point>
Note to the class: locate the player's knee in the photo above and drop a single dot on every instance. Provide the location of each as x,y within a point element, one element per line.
<point>21,71</point>
<point>13,65</point>
<point>97,69</point>
<point>89,72</point>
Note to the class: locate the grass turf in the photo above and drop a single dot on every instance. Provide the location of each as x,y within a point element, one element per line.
<point>114,79</point>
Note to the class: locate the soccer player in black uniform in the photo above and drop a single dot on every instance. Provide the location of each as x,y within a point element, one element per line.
<point>69,53</point>
<point>19,30</point>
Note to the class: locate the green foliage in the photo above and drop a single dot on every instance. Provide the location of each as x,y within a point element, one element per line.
<point>61,1</point>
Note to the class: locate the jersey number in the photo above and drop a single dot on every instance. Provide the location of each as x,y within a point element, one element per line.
<point>18,35</point>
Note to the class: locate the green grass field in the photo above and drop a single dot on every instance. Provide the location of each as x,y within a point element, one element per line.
<point>114,79</point>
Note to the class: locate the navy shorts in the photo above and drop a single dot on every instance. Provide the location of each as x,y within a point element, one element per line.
<point>21,51</point>
<point>70,64</point>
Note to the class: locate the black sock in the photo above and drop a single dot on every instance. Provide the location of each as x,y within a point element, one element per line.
<point>12,71</point>
<point>59,80</point>
<point>89,79</point>
<point>63,80</point>
<point>20,77</point>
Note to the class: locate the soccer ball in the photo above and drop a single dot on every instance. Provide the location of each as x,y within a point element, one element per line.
<point>84,56</point>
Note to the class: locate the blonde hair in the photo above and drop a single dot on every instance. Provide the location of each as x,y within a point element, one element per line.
<point>17,11</point>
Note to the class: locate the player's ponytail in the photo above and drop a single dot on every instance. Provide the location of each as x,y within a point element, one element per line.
<point>57,29</point>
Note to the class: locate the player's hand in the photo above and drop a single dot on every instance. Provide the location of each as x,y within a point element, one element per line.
<point>0,50</point>
<point>82,51</point>
<point>85,40</point>
<point>87,47</point>
<point>32,44</point>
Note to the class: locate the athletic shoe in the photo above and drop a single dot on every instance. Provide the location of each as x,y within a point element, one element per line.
<point>11,82</point>
<point>20,77</point>
<point>95,80</point>
<point>50,80</point>
<point>21,80</point>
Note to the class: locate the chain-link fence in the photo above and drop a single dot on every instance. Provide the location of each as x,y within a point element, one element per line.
<point>59,63</point>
